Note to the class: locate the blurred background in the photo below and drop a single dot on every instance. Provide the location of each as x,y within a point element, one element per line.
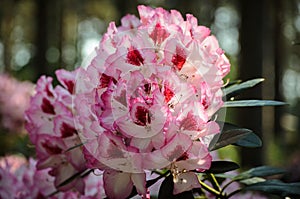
<point>261,38</point>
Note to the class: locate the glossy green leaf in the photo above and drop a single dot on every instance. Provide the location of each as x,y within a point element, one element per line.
<point>232,134</point>
<point>75,146</point>
<point>228,137</point>
<point>253,180</point>
<point>184,195</point>
<point>166,190</point>
<point>225,175</point>
<point>237,88</point>
<point>74,176</point>
<point>232,82</point>
<point>161,174</point>
<point>276,187</point>
<point>249,140</point>
<point>261,171</point>
<point>222,167</point>
<point>252,103</point>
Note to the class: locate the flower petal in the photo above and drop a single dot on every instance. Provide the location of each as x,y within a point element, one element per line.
<point>186,182</point>
<point>139,181</point>
<point>117,184</point>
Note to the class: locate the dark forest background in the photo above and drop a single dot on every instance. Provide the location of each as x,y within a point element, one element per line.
<point>261,38</point>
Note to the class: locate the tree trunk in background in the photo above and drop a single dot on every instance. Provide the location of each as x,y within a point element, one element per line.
<point>125,7</point>
<point>6,14</point>
<point>280,54</point>
<point>251,67</point>
<point>49,34</point>
<point>41,39</point>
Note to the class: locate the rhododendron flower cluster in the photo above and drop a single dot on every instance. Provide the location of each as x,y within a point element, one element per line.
<point>145,101</point>
<point>52,131</point>
<point>147,98</point>
<point>14,95</point>
<point>20,180</point>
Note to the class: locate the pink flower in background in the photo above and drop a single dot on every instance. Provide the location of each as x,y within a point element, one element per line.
<point>147,98</point>
<point>51,129</point>
<point>20,180</point>
<point>8,181</point>
<point>14,100</point>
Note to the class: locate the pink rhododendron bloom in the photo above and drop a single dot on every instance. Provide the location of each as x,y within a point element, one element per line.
<point>52,130</point>
<point>9,185</point>
<point>146,100</point>
<point>14,100</point>
<point>21,180</point>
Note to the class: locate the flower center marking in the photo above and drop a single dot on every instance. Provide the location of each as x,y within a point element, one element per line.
<point>143,116</point>
<point>134,57</point>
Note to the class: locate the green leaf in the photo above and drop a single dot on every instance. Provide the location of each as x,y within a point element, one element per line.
<point>227,137</point>
<point>222,167</point>
<point>149,183</point>
<point>249,140</point>
<point>276,187</point>
<point>232,134</point>
<point>75,146</point>
<point>232,82</point>
<point>166,190</point>
<point>252,103</point>
<point>261,171</point>
<point>184,195</point>
<point>80,174</point>
<point>253,180</point>
<point>237,88</point>
<point>74,176</point>
<point>225,175</point>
